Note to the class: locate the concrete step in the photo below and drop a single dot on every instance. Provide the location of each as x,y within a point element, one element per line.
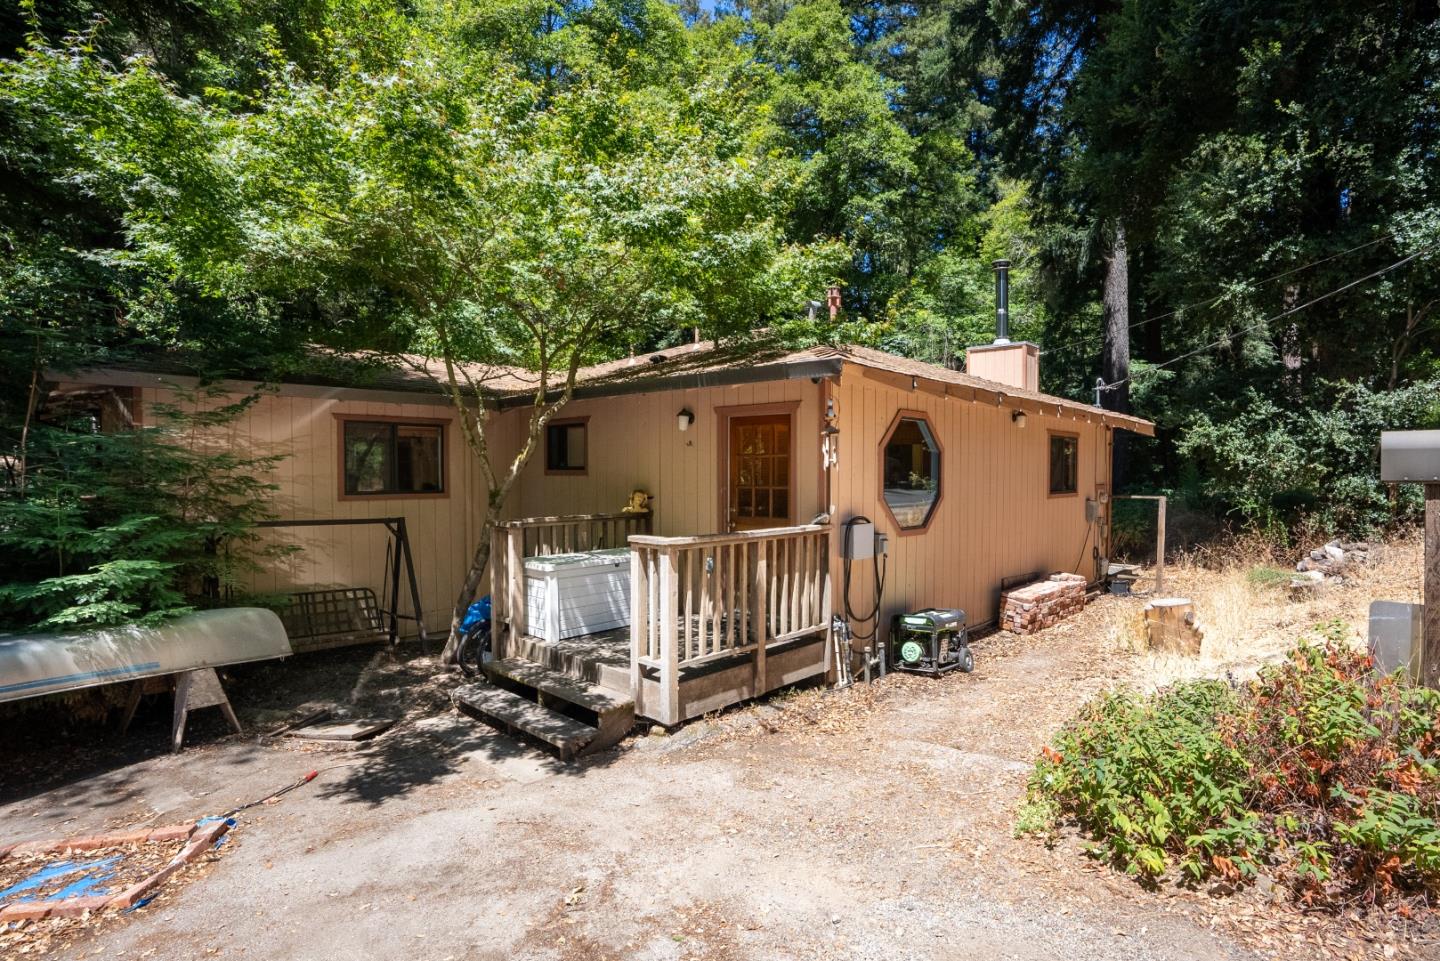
<point>601,659</point>
<point>612,713</point>
<point>516,713</point>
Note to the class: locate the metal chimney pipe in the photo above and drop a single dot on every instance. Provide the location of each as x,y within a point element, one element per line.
<point>1002,301</point>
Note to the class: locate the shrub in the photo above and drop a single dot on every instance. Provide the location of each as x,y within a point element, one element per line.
<point>1267,577</point>
<point>1320,770</point>
<point>132,525</point>
<point>1151,779</point>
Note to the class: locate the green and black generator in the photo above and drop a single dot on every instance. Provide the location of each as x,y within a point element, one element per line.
<point>931,642</point>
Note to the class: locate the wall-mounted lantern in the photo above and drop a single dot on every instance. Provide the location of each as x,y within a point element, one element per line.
<point>684,419</point>
<point>1017,418</point>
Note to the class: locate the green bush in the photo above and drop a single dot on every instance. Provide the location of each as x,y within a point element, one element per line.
<point>1276,468</point>
<point>1266,577</point>
<point>1319,771</point>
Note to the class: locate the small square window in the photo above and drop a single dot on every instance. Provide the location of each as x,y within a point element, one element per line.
<point>1064,464</point>
<point>566,446</point>
<point>389,458</point>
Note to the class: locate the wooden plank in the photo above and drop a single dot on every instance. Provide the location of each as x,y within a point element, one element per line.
<point>697,540</point>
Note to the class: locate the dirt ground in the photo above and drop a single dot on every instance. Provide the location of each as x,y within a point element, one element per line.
<point>871,823</point>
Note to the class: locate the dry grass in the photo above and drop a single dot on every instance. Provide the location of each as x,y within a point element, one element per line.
<point>1248,612</point>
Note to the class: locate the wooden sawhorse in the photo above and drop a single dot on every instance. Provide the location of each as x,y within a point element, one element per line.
<point>193,690</point>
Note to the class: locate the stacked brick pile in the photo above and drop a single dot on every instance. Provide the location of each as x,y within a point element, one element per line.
<point>1040,604</point>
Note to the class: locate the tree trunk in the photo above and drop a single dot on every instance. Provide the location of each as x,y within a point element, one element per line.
<point>1115,345</point>
<point>478,563</point>
<point>1290,355</point>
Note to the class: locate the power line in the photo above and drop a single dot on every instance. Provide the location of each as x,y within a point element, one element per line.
<point>1268,320</point>
<point>1219,297</point>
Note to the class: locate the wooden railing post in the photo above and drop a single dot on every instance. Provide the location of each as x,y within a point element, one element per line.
<point>639,620</point>
<point>515,601</point>
<point>499,580</point>
<point>669,640</point>
<point>827,614</point>
<point>762,615</point>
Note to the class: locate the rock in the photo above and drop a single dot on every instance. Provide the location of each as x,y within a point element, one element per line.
<point>1334,552</point>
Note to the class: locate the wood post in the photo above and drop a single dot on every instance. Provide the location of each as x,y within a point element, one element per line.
<point>515,574</point>
<point>1160,548</point>
<point>1430,657</point>
<point>639,603</point>
<point>499,583</point>
<point>1160,502</point>
<point>762,615</point>
<point>669,641</point>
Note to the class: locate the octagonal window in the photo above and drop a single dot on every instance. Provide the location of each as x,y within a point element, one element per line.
<point>912,472</point>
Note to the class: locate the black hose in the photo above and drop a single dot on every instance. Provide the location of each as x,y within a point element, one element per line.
<point>880,574</point>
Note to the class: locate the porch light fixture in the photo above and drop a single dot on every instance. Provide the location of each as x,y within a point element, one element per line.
<point>684,419</point>
<point>1017,417</point>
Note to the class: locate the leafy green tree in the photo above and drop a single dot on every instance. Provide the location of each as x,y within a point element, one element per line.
<point>514,220</point>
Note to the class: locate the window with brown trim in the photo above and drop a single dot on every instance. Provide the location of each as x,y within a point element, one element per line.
<point>911,464</point>
<point>1064,464</point>
<point>386,457</point>
<point>566,446</point>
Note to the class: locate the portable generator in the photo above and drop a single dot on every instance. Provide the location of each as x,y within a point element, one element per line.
<point>930,642</point>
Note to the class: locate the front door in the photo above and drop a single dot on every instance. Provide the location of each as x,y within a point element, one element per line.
<point>760,468</point>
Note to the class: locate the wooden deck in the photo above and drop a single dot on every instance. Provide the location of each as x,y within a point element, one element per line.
<point>710,685</point>
<point>715,619</point>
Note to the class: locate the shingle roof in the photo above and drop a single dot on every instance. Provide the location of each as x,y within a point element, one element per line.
<point>691,365</point>
<point>706,360</point>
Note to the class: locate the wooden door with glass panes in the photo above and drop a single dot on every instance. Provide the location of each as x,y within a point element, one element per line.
<point>760,494</point>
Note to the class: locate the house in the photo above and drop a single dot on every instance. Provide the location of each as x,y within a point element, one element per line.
<point>761,470</point>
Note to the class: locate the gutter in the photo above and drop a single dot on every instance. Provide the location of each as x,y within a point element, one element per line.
<point>725,377</point>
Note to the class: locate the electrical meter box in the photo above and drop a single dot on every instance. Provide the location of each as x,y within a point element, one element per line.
<point>857,540</point>
<point>1410,456</point>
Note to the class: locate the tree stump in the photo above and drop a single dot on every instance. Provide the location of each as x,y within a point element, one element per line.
<point>1171,625</point>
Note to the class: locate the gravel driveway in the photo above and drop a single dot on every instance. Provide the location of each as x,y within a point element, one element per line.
<point>869,823</point>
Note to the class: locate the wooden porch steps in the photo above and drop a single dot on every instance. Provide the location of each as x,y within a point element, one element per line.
<point>599,659</point>
<point>571,715</point>
<point>515,713</point>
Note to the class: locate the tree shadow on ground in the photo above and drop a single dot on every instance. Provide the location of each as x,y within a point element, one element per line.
<point>427,750</point>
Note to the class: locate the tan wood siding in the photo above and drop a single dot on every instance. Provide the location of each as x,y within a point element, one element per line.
<point>634,444</point>
<point>442,530</point>
<point>995,518</point>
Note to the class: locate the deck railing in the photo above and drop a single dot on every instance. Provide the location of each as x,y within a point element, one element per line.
<point>513,541</point>
<point>698,599</point>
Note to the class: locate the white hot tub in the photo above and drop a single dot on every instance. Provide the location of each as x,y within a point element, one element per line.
<point>567,595</point>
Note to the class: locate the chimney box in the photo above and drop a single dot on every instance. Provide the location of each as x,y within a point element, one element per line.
<point>1015,364</point>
